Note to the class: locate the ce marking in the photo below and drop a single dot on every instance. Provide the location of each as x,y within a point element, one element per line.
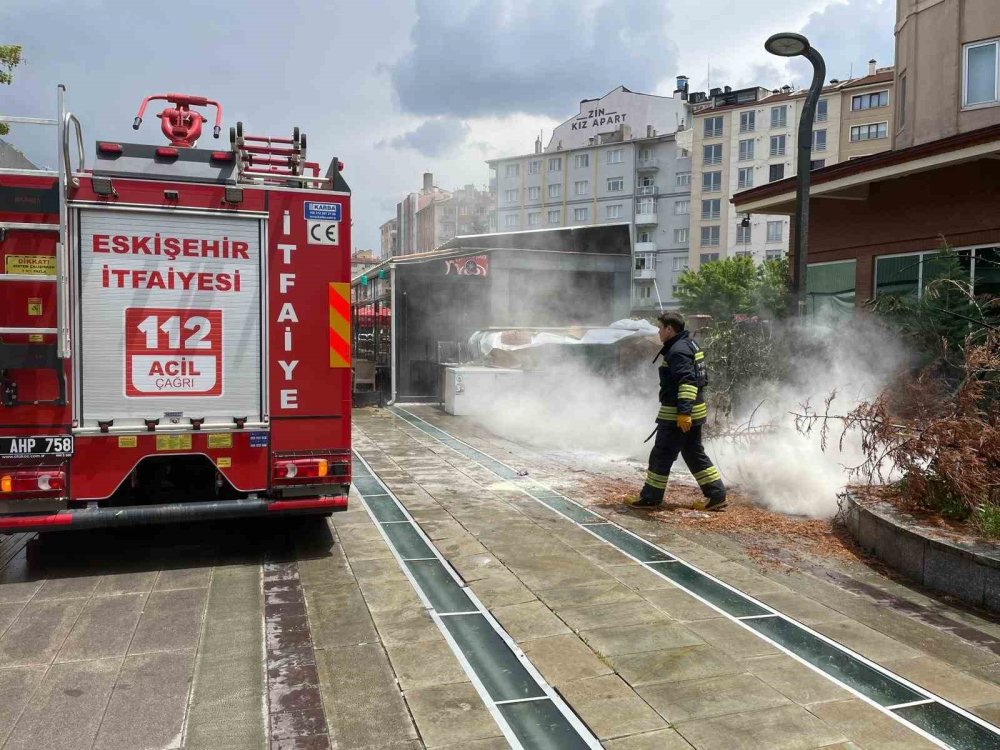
<point>323,232</point>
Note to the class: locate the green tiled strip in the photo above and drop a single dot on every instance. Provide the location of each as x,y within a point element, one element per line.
<point>922,711</point>
<point>529,712</point>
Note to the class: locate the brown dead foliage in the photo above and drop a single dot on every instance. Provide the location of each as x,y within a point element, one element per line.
<point>770,538</point>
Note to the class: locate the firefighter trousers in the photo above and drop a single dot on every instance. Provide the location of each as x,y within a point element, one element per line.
<point>671,442</point>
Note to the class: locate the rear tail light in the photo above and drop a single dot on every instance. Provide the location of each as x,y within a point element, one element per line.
<point>30,481</point>
<point>109,148</point>
<point>222,156</point>
<point>311,470</point>
<point>166,152</point>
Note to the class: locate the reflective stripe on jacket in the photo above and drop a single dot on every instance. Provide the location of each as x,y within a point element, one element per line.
<point>682,380</point>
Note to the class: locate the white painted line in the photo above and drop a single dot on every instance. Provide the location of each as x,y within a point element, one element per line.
<point>523,700</point>
<point>907,705</point>
<point>756,617</point>
<point>419,559</point>
<point>458,614</point>
<point>930,697</point>
<point>386,523</point>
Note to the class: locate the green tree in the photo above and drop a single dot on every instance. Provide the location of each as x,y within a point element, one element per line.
<point>10,58</point>
<point>735,286</point>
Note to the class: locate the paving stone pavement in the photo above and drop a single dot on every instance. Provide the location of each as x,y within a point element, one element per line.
<point>645,664</point>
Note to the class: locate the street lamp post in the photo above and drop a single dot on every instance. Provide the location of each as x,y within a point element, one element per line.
<point>787,44</point>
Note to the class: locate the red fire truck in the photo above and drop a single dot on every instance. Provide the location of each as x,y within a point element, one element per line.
<point>174,329</point>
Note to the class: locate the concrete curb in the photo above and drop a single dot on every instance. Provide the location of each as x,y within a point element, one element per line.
<point>969,572</point>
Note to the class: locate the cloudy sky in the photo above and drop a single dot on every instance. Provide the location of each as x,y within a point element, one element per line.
<point>399,87</point>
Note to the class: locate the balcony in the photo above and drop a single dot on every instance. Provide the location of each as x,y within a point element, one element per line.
<point>646,191</point>
<point>645,217</point>
<point>649,164</point>
<point>644,273</point>
<point>645,248</point>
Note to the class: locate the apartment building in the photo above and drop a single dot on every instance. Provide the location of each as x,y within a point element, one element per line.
<point>617,161</point>
<point>409,238</point>
<point>462,211</point>
<point>749,137</point>
<point>388,243</point>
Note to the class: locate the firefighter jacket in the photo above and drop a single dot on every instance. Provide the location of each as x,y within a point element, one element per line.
<point>683,378</point>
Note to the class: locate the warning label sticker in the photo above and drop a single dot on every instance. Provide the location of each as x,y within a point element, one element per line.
<point>30,265</point>
<point>173,442</point>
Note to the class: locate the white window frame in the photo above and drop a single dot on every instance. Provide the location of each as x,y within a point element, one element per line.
<point>534,218</point>
<point>535,193</point>
<point>581,187</point>
<point>741,174</point>
<point>680,264</point>
<point>965,73</point>
<point>682,179</point>
<point>615,155</point>
<point>616,184</point>
<point>823,116</point>
<point>716,153</point>
<point>510,221</point>
<point>510,195</point>
<point>645,206</point>
<point>815,144</point>
<point>555,191</point>
<point>750,118</point>
<point>781,231</point>
<point>554,216</point>
<point>680,238</point>
<point>678,205</point>
<point>779,145</point>
<point>581,214</point>
<point>534,167</point>
<point>713,241</point>
<point>512,170</point>
<point>783,120</point>
<point>711,208</point>
<point>746,154</point>
<point>581,161</point>
<point>555,164</point>
<point>613,211</point>
<point>744,234</point>
<point>869,126</point>
<point>867,98</point>
<point>714,132</point>
<point>706,187</point>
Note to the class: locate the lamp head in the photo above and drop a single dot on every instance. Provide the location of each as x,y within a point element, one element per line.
<point>787,44</point>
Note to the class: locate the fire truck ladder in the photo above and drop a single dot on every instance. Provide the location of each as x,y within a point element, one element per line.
<point>44,356</point>
<point>274,160</point>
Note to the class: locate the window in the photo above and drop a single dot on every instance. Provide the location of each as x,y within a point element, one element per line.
<point>644,236</point>
<point>553,217</point>
<point>674,289</point>
<point>682,208</point>
<point>870,101</point>
<point>772,254</point>
<point>713,127</point>
<point>680,238</point>
<point>534,167</point>
<point>817,164</point>
<point>581,161</point>
<point>711,182</point>
<point>779,117</point>
<point>901,103</point>
<point>710,209</point>
<point>613,212</point>
<point>821,110</point>
<point>510,196</point>
<point>510,220</point>
<point>645,154</point>
<point>644,261</point>
<point>747,120</point>
<point>713,154</point>
<point>819,140</point>
<point>534,219</point>
<point>775,231</point>
<point>708,257</point>
<point>512,170</point>
<point>645,206</point>
<point>683,153</point>
<point>746,149</point>
<point>580,187</point>
<point>646,181</point>
<point>615,156</point>
<point>744,177</point>
<point>642,292</point>
<point>581,214</point>
<point>776,172</point>
<point>743,234</point>
<point>616,184</point>
<point>463,211</point>
<point>980,73</point>
<point>777,145</point>
<point>555,164</point>
<point>681,264</point>
<point>830,287</point>
<point>683,179</point>
<point>710,237</point>
<point>555,190</point>
<point>869,132</point>
<point>534,194</point>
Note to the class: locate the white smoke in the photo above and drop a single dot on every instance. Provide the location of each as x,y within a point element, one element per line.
<point>567,409</point>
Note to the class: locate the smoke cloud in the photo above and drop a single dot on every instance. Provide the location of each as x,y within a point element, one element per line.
<point>569,409</point>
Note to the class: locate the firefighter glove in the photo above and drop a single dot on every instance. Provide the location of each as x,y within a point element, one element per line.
<point>684,422</point>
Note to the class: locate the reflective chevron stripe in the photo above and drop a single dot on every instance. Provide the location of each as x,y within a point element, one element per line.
<point>655,480</point>
<point>698,356</point>
<point>687,392</point>
<point>707,476</point>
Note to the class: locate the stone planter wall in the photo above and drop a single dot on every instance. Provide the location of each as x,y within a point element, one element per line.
<point>969,572</point>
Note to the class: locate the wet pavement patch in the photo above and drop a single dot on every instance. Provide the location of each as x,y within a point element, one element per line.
<point>295,706</point>
<point>880,687</point>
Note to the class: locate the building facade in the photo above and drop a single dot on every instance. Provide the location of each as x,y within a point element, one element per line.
<point>410,238</point>
<point>877,222</point>
<point>389,244</point>
<point>616,162</point>
<point>749,137</point>
<point>450,214</point>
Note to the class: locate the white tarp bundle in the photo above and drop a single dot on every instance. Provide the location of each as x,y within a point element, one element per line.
<point>484,342</point>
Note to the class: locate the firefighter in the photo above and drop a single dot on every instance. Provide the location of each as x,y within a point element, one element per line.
<point>678,425</point>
